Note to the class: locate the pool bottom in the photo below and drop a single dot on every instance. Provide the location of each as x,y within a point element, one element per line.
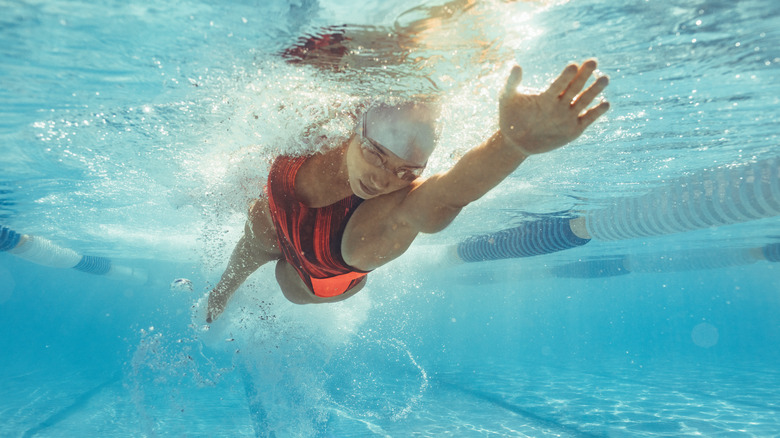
<point>672,399</point>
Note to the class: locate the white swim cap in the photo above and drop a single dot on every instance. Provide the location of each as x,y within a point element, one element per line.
<point>408,129</point>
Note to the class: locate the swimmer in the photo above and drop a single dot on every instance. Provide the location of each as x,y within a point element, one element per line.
<point>330,218</point>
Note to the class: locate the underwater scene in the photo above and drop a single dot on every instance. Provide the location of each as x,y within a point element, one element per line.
<point>624,285</point>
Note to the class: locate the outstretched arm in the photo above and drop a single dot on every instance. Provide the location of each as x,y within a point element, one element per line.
<point>528,124</point>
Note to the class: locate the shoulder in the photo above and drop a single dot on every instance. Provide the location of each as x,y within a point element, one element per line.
<point>283,177</point>
<point>393,209</point>
<point>286,163</point>
<point>285,169</point>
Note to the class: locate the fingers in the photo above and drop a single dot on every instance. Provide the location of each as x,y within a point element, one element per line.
<point>559,86</point>
<point>515,77</point>
<point>584,99</point>
<point>575,86</point>
<point>592,114</point>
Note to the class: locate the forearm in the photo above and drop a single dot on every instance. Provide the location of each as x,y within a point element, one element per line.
<point>243,262</point>
<point>233,277</point>
<point>477,172</point>
<point>229,283</point>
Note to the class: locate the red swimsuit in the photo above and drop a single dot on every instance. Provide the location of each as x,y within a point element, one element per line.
<point>310,238</point>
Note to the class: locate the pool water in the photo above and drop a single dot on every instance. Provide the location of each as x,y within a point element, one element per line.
<point>139,132</point>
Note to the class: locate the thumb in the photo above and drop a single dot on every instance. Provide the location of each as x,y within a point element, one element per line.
<point>515,77</point>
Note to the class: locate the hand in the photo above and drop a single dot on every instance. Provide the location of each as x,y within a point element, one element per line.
<point>538,123</point>
<point>215,307</point>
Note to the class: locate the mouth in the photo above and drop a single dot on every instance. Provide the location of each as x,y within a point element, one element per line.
<point>367,190</point>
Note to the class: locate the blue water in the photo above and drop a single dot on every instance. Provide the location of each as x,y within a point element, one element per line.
<point>139,131</point>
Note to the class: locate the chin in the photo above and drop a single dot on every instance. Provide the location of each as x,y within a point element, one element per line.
<point>355,186</point>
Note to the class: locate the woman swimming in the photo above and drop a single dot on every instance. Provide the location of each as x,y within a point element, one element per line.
<point>330,218</point>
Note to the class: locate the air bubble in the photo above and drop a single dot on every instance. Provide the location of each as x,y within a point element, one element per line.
<point>705,335</point>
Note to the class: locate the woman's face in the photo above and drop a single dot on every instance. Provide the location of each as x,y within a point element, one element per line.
<point>390,148</point>
<point>374,170</point>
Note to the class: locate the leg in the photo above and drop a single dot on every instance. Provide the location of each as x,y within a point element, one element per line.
<point>295,290</point>
<point>255,248</point>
